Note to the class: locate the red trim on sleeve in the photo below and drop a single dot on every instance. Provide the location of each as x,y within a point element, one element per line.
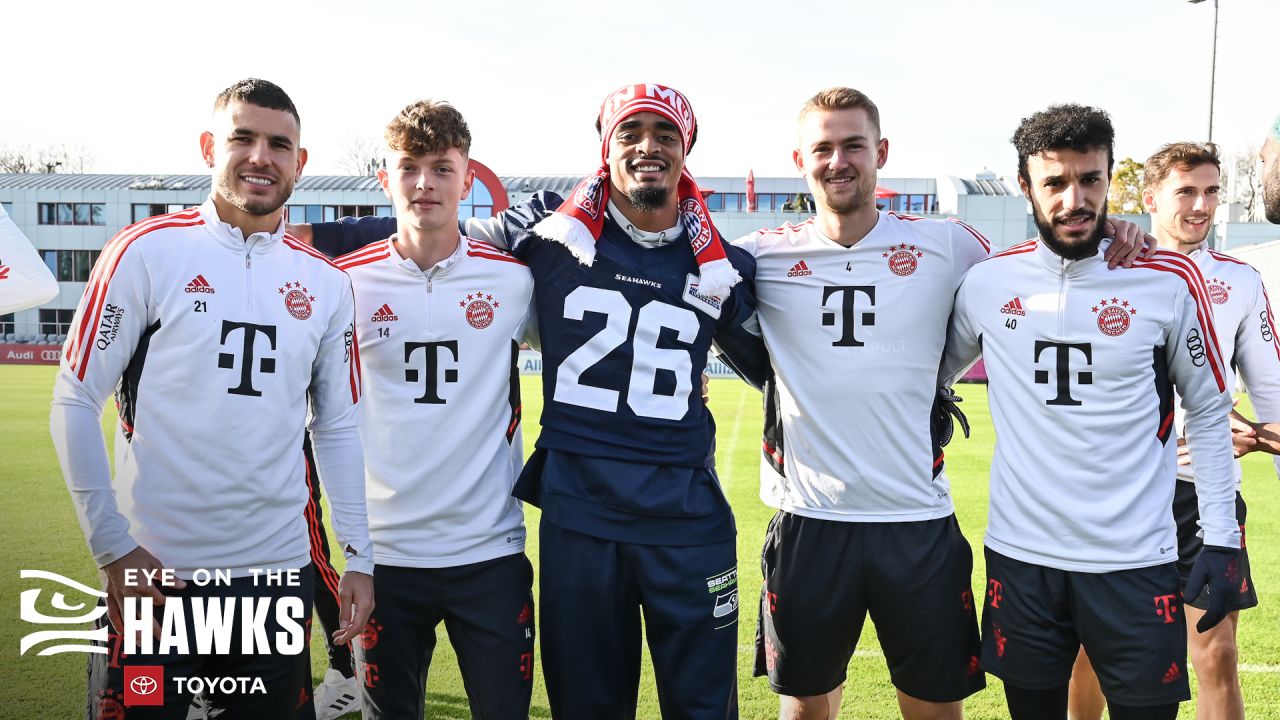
<point>986,245</point>
<point>1182,266</point>
<point>78,350</point>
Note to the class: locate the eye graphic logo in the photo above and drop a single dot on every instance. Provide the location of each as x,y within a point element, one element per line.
<point>81,640</point>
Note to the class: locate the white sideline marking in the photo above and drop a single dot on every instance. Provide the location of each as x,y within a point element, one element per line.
<point>1243,667</point>
<point>726,478</point>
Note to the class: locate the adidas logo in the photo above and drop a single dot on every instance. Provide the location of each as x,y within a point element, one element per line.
<point>384,314</point>
<point>1013,307</point>
<point>1173,674</point>
<point>800,269</point>
<point>199,285</point>
<point>525,616</point>
<point>4,272</point>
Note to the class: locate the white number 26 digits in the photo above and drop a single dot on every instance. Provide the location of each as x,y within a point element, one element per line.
<point>647,360</point>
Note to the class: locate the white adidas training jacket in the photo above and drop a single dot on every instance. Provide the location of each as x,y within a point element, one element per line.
<point>855,336</point>
<point>1242,316</point>
<point>220,349</point>
<point>1082,362</point>
<point>440,418</point>
<point>25,281</point>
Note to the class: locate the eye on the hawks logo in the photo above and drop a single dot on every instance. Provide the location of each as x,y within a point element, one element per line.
<point>479,307</point>
<point>1113,316</point>
<point>1219,291</point>
<point>297,299</point>
<point>903,259</point>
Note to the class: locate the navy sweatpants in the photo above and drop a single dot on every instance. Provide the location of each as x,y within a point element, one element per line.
<point>592,594</point>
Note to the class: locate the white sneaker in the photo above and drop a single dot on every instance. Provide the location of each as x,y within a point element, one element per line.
<point>336,696</point>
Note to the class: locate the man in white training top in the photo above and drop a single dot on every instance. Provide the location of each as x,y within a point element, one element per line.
<point>1082,363</point>
<point>222,339</point>
<point>441,317</point>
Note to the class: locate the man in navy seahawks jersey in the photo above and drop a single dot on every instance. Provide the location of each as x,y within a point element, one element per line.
<point>632,511</point>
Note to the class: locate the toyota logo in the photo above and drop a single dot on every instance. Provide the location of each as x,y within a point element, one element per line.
<point>143,685</point>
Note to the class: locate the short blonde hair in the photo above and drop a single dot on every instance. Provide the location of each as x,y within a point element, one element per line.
<point>843,98</point>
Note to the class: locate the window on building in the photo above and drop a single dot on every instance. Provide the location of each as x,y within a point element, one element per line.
<point>914,204</point>
<point>70,265</point>
<point>55,322</point>
<point>764,202</point>
<point>715,202</point>
<point>733,202</point>
<point>479,203</point>
<point>142,211</point>
<point>6,324</point>
<point>72,214</point>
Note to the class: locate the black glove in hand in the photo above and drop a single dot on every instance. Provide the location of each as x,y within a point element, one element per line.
<point>1217,572</point>
<point>945,411</point>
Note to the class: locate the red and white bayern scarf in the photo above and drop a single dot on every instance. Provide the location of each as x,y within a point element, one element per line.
<point>578,222</point>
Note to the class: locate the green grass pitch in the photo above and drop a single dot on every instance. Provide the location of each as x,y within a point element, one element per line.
<point>38,530</point>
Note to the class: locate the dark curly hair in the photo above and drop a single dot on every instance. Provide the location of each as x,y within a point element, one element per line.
<point>1074,127</point>
<point>263,93</point>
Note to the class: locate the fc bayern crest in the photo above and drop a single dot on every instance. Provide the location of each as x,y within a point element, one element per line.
<point>1219,291</point>
<point>479,308</point>
<point>903,259</point>
<point>1113,316</point>
<point>588,198</point>
<point>297,300</point>
<point>696,224</point>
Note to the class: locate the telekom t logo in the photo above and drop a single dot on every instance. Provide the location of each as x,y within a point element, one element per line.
<point>995,592</point>
<point>1167,607</point>
<point>1062,369</point>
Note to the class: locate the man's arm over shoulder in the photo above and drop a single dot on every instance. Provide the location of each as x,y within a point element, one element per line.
<point>346,235</point>
<point>108,326</point>
<point>1195,365</point>
<point>25,281</point>
<point>512,229</point>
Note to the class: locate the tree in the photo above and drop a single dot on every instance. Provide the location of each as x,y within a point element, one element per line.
<point>1125,195</point>
<point>361,156</point>
<point>62,158</point>
<point>1242,184</point>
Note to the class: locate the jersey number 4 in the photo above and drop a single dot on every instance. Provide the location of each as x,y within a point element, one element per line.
<point>648,357</point>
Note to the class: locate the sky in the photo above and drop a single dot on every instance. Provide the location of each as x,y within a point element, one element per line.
<point>133,82</point>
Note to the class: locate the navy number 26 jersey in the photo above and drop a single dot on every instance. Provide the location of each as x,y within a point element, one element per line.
<point>624,345</point>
